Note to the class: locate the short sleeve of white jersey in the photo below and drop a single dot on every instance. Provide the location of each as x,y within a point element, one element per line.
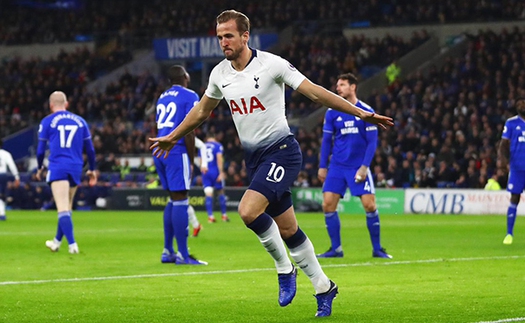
<point>213,91</point>
<point>8,161</point>
<point>202,149</point>
<point>285,72</point>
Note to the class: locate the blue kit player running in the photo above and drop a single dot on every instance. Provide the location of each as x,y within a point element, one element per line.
<point>213,179</point>
<point>511,156</point>
<point>346,138</point>
<point>175,171</point>
<point>68,136</point>
<point>252,82</point>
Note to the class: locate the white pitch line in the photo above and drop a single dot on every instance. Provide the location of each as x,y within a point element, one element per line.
<point>516,319</point>
<point>220,272</point>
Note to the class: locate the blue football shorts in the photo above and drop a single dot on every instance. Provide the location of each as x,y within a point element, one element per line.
<point>275,173</point>
<point>210,180</point>
<point>340,178</point>
<point>58,173</point>
<point>174,171</point>
<point>516,182</point>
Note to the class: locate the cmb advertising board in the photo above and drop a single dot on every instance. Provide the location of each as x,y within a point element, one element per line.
<point>458,201</point>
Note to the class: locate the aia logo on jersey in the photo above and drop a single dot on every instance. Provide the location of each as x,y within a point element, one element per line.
<point>246,107</point>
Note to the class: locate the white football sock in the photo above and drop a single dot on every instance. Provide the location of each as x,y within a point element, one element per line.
<point>274,245</point>
<point>304,256</point>
<point>2,207</point>
<point>192,218</point>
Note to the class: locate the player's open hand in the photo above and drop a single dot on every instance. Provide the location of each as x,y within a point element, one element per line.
<point>38,174</point>
<point>380,120</point>
<point>92,174</point>
<point>360,176</point>
<point>161,146</point>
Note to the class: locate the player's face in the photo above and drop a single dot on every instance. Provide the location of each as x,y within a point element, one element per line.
<point>345,89</point>
<point>231,41</point>
<point>520,107</point>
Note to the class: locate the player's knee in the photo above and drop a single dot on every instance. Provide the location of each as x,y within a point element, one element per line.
<point>369,206</point>
<point>208,191</point>
<point>287,232</point>
<point>246,213</point>
<point>329,206</point>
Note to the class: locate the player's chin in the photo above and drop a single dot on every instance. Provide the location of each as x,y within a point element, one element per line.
<point>230,54</point>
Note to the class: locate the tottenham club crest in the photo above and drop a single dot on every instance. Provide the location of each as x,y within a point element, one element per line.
<point>256,79</point>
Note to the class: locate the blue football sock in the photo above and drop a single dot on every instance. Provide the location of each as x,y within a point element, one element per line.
<point>168,228</point>
<point>179,216</point>
<point>333,225</point>
<point>372,222</point>
<point>60,233</point>
<point>209,205</point>
<point>222,201</point>
<point>66,224</point>
<point>511,217</point>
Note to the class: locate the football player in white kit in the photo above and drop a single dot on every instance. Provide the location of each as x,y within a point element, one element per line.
<point>252,83</point>
<point>6,162</point>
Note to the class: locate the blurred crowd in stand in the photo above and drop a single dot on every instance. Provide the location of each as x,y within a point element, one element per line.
<point>25,22</point>
<point>448,122</point>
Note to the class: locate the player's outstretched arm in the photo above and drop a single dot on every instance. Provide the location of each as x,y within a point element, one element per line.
<point>321,95</point>
<point>200,112</point>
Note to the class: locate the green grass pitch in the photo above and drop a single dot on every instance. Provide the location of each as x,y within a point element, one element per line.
<point>445,269</point>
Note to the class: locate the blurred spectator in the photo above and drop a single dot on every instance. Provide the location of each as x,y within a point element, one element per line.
<point>302,180</point>
<point>393,72</point>
<point>492,183</point>
<point>107,164</point>
<point>141,167</point>
<point>125,169</point>
<point>19,195</point>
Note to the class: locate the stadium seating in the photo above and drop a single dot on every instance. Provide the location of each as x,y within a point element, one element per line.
<point>461,106</point>
<point>23,22</point>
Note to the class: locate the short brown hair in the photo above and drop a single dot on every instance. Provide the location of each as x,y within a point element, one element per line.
<point>351,78</point>
<point>242,21</point>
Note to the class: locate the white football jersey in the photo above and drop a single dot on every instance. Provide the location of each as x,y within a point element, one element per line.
<point>6,161</point>
<point>255,96</point>
<point>201,146</point>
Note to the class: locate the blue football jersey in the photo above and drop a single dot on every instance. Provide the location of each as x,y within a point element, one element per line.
<point>172,107</point>
<point>351,136</point>
<point>212,149</point>
<point>65,133</point>
<point>514,131</point>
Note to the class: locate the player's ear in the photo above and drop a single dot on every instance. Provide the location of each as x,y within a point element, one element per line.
<point>245,37</point>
